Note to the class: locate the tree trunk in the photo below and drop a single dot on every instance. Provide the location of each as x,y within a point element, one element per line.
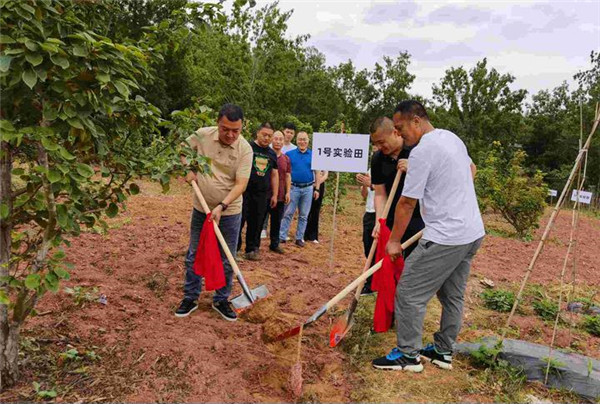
<point>9,332</point>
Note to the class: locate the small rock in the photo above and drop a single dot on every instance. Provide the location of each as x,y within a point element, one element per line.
<point>575,307</point>
<point>218,346</point>
<point>594,310</point>
<point>169,322</point>
<point>488,283</point>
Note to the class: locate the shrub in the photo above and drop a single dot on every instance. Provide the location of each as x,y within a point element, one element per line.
<point>498,299</point>
<point>502,184</point>
<point>592,324</point>
<point>546,309</point>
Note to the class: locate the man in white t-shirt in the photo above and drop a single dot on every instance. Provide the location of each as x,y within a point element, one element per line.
<point>440,176</point>
<point>289,131</point>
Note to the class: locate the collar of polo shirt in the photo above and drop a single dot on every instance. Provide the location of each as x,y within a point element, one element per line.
<point>216,139</point>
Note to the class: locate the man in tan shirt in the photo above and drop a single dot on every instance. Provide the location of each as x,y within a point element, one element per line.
<point>230,162</point>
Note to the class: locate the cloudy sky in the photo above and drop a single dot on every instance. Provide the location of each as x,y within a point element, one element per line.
<point>541,43</point>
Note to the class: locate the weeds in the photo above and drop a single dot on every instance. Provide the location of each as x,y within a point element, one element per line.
<point>498,300</point>
<point>555,366</point>
<point>545,308</point>
<point>43,394</point>
<point>82,294</point>
<point>592,324</point>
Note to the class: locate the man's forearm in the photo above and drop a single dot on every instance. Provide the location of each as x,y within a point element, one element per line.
<point>288,183</point>
<point>380,201</point>
<point>402,215</point>
<point>236,191</point>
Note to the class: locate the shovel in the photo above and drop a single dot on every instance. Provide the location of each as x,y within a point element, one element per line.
<point>355,283</point>
<point>248,297</point>
<point>343,324</point>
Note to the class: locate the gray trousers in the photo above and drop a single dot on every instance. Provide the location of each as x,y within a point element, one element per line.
<point>432,268</point>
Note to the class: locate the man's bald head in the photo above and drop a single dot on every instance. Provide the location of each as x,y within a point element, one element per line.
<point>385,136</point>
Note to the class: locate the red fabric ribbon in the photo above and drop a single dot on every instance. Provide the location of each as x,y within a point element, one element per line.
<point>208,261</point>
<point>385,281</point>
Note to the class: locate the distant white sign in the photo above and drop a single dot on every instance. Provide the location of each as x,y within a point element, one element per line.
<point>584,197</point>
<point>341,152</point>
<point>552,192</point>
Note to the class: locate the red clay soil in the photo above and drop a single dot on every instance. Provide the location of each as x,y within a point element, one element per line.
<point>150,355</point>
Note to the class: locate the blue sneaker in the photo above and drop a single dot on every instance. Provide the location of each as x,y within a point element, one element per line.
<point>396,360</point>
<point>441,359</point>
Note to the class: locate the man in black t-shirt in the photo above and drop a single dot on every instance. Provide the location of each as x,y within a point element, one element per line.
<point>384,164</point>
<point>264,178</point>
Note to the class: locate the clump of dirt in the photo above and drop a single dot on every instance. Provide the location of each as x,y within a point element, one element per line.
<point>277,325</point>
<point>260,311</point>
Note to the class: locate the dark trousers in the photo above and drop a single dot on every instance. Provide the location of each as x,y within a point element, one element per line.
<point>229,226</point>
<point>254,210</point>
<point>368,226</point>
<point>312,226</point>
<point>276,216</point>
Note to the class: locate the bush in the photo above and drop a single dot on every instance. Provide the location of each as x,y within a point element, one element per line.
<point>502,185</point>
<point>592,324</point>
<point>499,300</point>
<point>546,309</point>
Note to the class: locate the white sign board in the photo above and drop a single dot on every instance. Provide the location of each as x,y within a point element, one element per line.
<point>552,192</point>
<point>341,152</point>
<point>584,197</point>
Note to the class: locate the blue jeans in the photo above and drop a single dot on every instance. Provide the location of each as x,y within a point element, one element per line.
<point>300,198</point>
<point>230,228</point>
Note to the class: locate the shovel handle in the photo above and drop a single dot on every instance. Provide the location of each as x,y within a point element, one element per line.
<point>224,245</point>
<point>357,281</point>
<point>386,210</point>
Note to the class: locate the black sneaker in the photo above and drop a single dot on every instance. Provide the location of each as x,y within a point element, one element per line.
<point>224,309</point>
<point>186,308</point>
<point>277,250</point>
<point>366,291</point>
<point>396,360</point>
<point>300,243</point>
<point>441,359</point>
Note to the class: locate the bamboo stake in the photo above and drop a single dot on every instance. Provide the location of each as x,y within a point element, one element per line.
<point>550,224</point>
<point>335,203</point>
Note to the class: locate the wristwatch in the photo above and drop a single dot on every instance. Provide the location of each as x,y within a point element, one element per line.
<point>224,205</point>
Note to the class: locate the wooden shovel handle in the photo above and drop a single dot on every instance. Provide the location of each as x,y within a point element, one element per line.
<point>230,258</point>
<point>368,273</point>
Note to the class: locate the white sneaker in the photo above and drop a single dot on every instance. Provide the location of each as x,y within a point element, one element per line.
<point>263,234</point>
<point>287,238</point>
<point>316,241</point>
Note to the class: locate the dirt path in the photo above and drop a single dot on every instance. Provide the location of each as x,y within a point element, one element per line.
<point>149,355</point>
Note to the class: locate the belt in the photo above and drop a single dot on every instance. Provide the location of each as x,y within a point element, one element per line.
<point>302,184</point>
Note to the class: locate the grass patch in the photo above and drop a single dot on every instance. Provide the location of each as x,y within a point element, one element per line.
<point>592,324</point>
<point>498,299</point>
<point>545,309</point>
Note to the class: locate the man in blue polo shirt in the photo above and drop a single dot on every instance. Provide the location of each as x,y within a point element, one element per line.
<point>303,191</point>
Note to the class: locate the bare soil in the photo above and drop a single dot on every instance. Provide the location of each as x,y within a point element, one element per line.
<point>147,354</point>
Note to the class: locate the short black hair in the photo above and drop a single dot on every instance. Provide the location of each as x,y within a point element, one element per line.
<point>290,125</point>
<point>412,108</point>
<point>232,112</point>
<point>264,125</point>
<point>383,122</point>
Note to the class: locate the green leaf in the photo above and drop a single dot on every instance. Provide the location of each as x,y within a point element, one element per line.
<point>5,63</point>
<point>34,58</point>
<point>121,88</point>
<point>64,153</point>
<point>54,176</point>
<point>59,255</point>
<point>112,210</point>
<point>29,77</point>
<point>6,125</point>
<point>3,211</point>
<point>4,298</point>
<point>134,189</point>
<point>49,47</point>
<point>32,281</point>
<point>63,216</point>
<point>76,123</point>
<point>50,113</point>
<point>61,273</point>
<point>32,46</point>
<point>60,61</point>
<point>6,39</point>
<point>80,50</point>
<point>103,77</point>
<point>84,170</point>
<point>49,144</point>
<point>27,7</point>
<point>51,282</point>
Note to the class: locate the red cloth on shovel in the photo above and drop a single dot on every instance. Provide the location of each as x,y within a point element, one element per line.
<point>208,257</point>
<point>385,281</point>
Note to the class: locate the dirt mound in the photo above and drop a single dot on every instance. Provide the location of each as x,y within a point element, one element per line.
<point>277,325</point>
<point>260,311</point>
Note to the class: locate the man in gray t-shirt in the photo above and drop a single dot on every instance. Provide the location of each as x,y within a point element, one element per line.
<point>440,176</point>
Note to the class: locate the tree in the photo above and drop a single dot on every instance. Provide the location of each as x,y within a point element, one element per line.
<point>479,106</point>
<point>73,136</point>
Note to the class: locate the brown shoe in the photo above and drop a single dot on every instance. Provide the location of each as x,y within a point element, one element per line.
<point>277,250</point>
<point>253,256</point>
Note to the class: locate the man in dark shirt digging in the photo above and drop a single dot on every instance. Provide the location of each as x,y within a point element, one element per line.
<point>264,181</point>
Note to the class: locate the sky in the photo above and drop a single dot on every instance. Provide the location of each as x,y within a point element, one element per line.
<point>542,44</point>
